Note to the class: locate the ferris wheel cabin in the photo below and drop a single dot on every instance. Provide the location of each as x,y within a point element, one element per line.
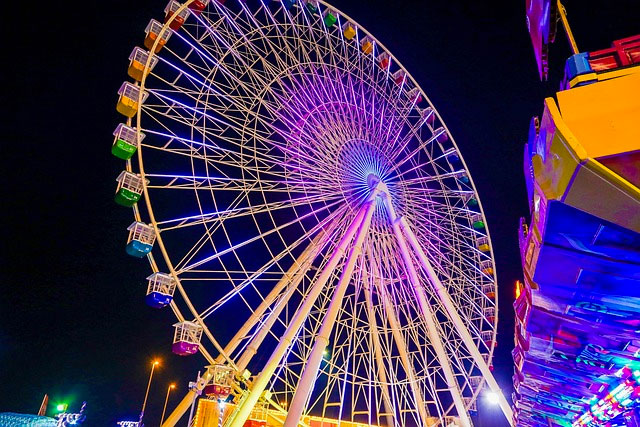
<point>489,290</point>
<point>312,6</point>
<point>186,338</point>
<point>124,143</point>
<point>384,60</point>
<point>199,5</point>
<point>442,135</point>
<point>428,116</point>
<point>137,61</point>
<point>129,98</point>
<point>170,10</point>
<point>141,239</point>
<point>349,30</point>
<point>366,44</point>
<point>330,17</point>
<point>477,222</point>
<point>153,31</point>
<point>415,96</point>
<point>129,190</point>
<point>483,244</point>
<point>220,385</point>
<point>487,267</point>
<point>160,290</point>
<point>471,201</point>
<point>399,77</point>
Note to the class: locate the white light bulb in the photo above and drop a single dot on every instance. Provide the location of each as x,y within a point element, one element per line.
<point>492,398</point>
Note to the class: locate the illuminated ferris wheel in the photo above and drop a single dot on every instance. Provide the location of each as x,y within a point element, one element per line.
<point>307,216</point>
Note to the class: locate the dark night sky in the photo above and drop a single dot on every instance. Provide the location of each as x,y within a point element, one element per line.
<point>72,318</point>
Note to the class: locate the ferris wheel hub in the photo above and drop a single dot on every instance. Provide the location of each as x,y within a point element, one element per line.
<point>375,183</point>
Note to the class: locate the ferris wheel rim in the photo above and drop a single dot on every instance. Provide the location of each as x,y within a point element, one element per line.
<point>396,61</point>
<point>151,214</point>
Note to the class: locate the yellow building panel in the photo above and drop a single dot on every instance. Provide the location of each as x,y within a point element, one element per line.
<point>604,116</point>
<point>559,155</point>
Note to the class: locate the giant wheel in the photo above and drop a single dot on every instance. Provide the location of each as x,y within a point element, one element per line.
<point>312,212</point>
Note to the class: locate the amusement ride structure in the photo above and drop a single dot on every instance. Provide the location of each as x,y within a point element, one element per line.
<point>308,219</point>
<point>577,336</point>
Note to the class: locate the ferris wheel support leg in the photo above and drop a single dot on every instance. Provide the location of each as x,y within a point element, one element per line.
<point>428,315</point>
<point>305,385</point>
<point>382,373</point>
<point>188,400</point>
<point>444,297</point>
<point>402,350</point>
<point>292,277</point>
<point>260,382</point>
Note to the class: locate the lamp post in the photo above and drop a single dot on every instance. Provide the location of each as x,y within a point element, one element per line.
<point>146,395</point>
<point>164,409</point>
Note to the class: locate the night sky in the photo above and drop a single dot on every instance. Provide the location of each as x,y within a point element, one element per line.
<point>73,323</point>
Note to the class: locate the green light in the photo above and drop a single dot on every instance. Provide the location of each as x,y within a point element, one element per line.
<point>61,407</point>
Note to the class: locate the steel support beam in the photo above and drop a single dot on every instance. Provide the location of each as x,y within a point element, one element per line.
<point>259,384</point>
<point>307,380</point>
<point>461,328</point>
<point>428,316</point>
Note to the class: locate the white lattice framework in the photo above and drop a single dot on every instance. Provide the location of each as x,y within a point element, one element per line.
<point>284,168</point>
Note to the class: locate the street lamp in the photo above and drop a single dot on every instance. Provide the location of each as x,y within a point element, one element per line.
<point>164,409</point>
<point>146,395</point>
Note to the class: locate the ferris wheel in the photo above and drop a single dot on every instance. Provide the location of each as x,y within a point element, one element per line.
<point>307,217</point>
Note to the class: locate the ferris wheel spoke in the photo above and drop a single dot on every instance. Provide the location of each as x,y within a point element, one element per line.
<point>255,238</point>
<point>253,210</point>
<point>251,165</point>
<point>219,183</point>
<point>428,178</point>
<point>228,185</point>
<point>324,228</point>
<point>434,236</point>
<point>204,150</point>
<point>228,153</point>
<point>253,345</point>
<point>211,228</point>
<point>178,107</point>
<point>454,316</point>
<point>418,149</point>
